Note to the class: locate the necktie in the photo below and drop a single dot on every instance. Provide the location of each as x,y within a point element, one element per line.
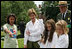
<point>63,16</point>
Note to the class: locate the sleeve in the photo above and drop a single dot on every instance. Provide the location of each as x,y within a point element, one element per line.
<point>41,25</point>
<point>55,38</point>
<point>4,27</point>
<point>25,35</point>
<point>62,43</point>
<point>16,29</point>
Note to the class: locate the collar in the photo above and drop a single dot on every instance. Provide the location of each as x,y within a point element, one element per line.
<point>65,12</point>
<point>35,21</point>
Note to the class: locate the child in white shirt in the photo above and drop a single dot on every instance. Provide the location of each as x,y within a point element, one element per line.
<point>10,30</point>
<point>62,31</point>
<point>49,37</point>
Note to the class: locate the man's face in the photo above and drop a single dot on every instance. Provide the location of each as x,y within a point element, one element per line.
<point>62,9</point>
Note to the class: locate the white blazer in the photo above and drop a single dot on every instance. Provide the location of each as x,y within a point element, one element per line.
<point>35,30</point>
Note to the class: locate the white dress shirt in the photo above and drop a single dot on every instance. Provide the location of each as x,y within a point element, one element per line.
<point>50,44</point>
<point>53,42</point>
<point>63,41</point>
<point>35,30</point>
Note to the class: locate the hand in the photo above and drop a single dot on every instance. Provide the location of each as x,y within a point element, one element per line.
<point>27,32</point>
<point>10,34</point>
<point>14,32</point>
<point>25,46</point>
<point>42,40</point>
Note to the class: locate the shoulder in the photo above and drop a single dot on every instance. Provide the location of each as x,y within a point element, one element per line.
<point>55,34</point>
<point>59,14</point>
<point>15,25</point>
<point>28,23</point>
<point>41,20</point>
<point>69,11</point>
<point>64,37</point>
<point>5,25</point>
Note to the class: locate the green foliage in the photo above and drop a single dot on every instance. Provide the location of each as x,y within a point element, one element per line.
<point>52,12</point>
<point>19,8</point>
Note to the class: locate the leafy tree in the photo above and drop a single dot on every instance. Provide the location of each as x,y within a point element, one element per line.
<point>19,8</point>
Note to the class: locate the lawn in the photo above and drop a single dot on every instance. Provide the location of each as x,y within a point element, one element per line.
<point>20,40</point>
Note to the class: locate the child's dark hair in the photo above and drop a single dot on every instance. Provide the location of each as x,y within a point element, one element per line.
<point>11,15</point>
<point>52,22</point>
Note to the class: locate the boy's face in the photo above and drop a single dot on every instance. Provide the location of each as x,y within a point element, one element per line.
<point>11,20</point>
<point>59,30</point>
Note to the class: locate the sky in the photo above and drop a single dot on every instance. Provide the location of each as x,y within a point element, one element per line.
<point>38,3</point>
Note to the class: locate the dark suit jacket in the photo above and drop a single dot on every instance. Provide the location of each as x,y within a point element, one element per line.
<point>67,17</point>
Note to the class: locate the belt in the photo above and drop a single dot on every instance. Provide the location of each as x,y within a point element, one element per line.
<point>33,42</point>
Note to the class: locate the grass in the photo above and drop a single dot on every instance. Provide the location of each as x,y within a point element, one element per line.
<point>20,40</point>
<point>21,43</point>
<point>2,43</point>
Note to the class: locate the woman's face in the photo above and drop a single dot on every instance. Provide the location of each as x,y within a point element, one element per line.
<point>59,30</point>
<point>11,20</point>
<point>32,17</point>
<point>48,27</point>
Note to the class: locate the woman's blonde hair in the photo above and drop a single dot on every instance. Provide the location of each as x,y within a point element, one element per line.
<point>32,11</point>
<point>63,25</point>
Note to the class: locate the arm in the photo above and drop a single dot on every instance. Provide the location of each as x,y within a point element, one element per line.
<point>7,31</point>
<point>36,33</point>
<point>25,36</point>
<point>15,30</point>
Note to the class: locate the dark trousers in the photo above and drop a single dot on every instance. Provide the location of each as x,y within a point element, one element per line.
<point>31,44</point>
<point>22,33</point>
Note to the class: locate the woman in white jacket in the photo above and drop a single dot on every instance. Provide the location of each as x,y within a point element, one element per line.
<point>33,31</point>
